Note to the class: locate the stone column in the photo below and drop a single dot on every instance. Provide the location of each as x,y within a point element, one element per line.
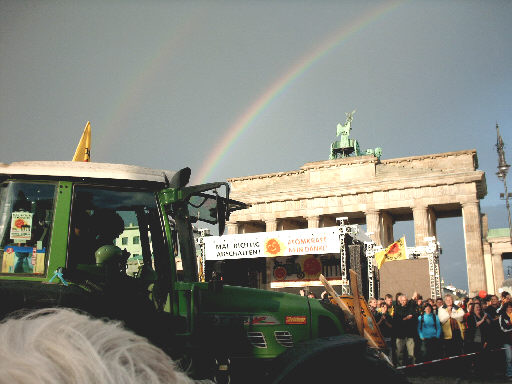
<point>489,268</point>
<point>271,225</point>
<point>232,228</point>
<point>373,225</point>
<point>474,249</point>
<point>499,274</point>
<point>387,229</point>
<point>485,225</point>
<point>314,222</point>
<point>432,221</point>
<point>420,216</point>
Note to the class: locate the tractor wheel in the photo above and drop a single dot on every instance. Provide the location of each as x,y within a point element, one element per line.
<point>342,358</point>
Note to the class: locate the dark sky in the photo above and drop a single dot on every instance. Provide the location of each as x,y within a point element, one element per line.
<point>164,83</point>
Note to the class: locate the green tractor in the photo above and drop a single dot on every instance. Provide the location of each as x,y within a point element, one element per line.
<point>117,241</point>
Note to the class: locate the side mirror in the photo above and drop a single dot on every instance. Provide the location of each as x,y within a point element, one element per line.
<point>204,203</point>
<point>180,178</point>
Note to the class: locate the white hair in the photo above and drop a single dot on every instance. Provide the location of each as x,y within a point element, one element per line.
<point>58,345</point>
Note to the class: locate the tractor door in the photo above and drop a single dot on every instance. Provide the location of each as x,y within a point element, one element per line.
<point>125,221</point>
<point>184,207</point>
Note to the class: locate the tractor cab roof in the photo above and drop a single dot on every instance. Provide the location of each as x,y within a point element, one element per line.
<point>85,170</point>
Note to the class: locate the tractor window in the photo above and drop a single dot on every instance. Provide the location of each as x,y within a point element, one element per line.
<point>26,216</point>
<point>120,225</point>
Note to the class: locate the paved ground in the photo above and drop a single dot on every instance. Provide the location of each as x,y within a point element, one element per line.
<point>460,372</point>
<point>455,380</point>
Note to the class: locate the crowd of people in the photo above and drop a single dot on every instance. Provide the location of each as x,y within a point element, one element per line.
<point>418,330</point>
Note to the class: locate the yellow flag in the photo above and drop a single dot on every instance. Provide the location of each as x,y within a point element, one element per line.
<point>396,251</point>
<point>83,150</point>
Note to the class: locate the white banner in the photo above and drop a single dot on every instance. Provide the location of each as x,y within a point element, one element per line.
<point>311,241</point>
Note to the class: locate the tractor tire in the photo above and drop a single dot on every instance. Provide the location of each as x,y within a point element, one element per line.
<point>342,359</point>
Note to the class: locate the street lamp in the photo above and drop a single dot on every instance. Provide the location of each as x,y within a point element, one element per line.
<point>502,175</point>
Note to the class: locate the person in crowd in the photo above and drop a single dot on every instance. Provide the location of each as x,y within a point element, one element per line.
<point>384,320</point>
<point>325,298</point>
<point>429,331</point>
<point>493,306</point>
<point>311,295</point>
<point>469,310</point>
<point>494,335</point>
<point>397,296</point>
<point>416,303</point>
<point>464,304</point>
<point>505,323</point>
<point>388,299</point>
<point>372,305</point>
<point>439,304</point>
<point>505,298</point>
<point>59,345</point>
<point>385,324</point>
<point>451,316</point>
<point>419,301</point>
<point>404,330</point>
<point>477,323</point>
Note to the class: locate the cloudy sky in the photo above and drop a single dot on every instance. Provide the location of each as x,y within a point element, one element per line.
<point>235,88</point>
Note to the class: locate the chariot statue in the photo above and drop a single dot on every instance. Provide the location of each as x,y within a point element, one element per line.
<point>345,146</point>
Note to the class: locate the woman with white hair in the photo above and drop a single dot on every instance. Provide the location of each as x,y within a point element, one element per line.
<point>59,345</point>
<point>451,316</point>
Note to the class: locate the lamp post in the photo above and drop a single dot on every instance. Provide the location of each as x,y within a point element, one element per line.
<point>502,175</point>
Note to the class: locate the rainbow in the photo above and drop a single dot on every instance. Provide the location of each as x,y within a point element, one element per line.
<point>271,93</point>
<point>134,91</point>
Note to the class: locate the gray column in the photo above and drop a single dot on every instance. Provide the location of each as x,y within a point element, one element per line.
<point>474,250</point>
<point>420,216</point>
<point>314,222</point>
<point>373,225</point>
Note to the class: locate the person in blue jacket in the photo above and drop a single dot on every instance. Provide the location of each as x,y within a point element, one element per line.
<point>429,331</point>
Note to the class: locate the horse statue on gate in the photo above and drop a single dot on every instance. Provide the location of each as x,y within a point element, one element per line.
<point>345,146</point>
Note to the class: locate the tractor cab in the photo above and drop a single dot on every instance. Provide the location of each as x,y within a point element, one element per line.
<point>71,229</point>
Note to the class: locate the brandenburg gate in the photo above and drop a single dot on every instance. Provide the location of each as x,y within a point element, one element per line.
<point>374,192</point>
